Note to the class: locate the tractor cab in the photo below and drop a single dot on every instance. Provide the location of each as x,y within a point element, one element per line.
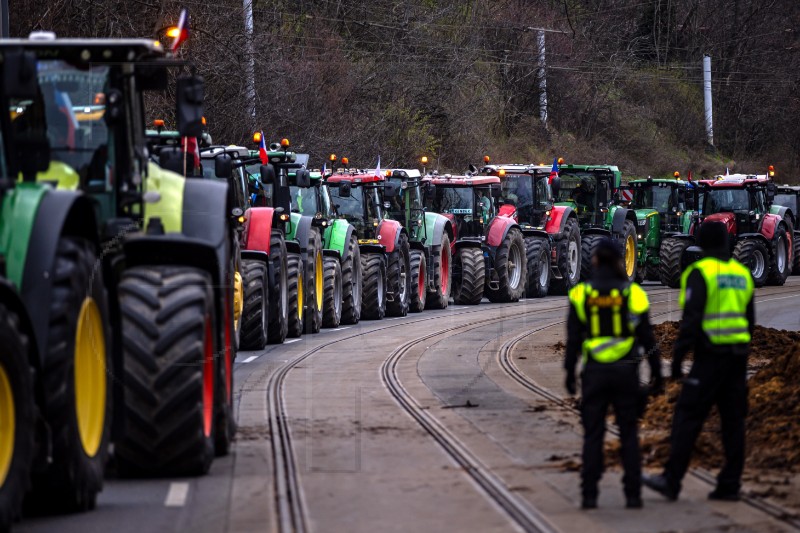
<point>740,201</point>
<point>357,197</point>
<point>470,202</point>
<point>407,205</point>
<point>788,196</point>
<point>589,190</point>
<point>525,192</point>
<point>670,199</point>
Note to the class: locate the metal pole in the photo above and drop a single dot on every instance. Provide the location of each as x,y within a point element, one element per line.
<point>4,26</point>
<point>707,99</point>
<point>250,69</point>
<point>542,79</point>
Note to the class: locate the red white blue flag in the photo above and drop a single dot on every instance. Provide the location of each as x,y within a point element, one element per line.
<point>262,150</point>
<point>553,171</point>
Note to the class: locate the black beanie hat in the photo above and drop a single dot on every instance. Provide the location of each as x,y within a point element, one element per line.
<point>713,237</point>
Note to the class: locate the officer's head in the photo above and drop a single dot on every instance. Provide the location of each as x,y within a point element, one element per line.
<point>712,237</point>
<point>608,256</point>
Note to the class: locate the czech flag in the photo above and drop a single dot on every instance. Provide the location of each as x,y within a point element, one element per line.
<point>179,33</point>
<point>262,150</point>
<point>553,171</point>
<point>378,168</point>
<point>64,103</point>
<point>324,169</point>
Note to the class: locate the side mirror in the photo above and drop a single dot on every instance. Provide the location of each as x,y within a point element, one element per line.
<point>555,186</point>
<point>473,169</point>
<point>267,173</point>
<point>772,189</point>
<point>344,189</point>
<point>223,166</point>
<point>302,178</point>
<point>19,74</point>
<point>189,105</point>
<point>389,190</point>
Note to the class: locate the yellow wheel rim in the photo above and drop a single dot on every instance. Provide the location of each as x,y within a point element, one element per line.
<point>90,377</point>
<point>318,280</point>
<point>238,299</point>
<point>7,425</point>
<point>630,255</point>
<point>299,296</point>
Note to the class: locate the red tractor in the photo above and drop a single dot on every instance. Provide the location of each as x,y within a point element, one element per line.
<point>488,250</point>
<point>361,198</point>
<point>761,240</point>
<point>552,234</point>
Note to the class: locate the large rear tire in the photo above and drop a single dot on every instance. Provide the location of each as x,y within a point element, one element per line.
<point>442,275</point>
<point>296,294</point>
<point>538,251</point>
<point>352,283</point>
<point>511,266</point>
<point>781,253</point>
<point>16,418</point>
<point>630,249</point>
<point>588,245</point>
<point>398,279</point>
<point>469,276</point>
<point>373,303</point>
<point>170,372</point>
<point>796,257</point>
<point>669,261</point>
<point>419,281</point>
<point>76,382</point>
<point>332,302</point>
<point>753,254</point>
<point>278,290</point>
<point>315,281</point>
<point>568,259</point>
<point>255,316</point>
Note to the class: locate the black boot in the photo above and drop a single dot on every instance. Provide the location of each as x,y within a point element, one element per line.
<point>633,502</point>
<point>726,496</point>
<point>589,502</point>
<point>661,485</point>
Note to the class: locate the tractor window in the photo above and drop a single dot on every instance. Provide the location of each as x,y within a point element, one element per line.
<point>758,201</point>
<point>543,195</point>
<point>454,200</point>
<point>325,200</point>
<point>653,197</point>
<point>724,200</point>
<point>786,200</point>
<point>484,203</point>
<point>304,200</point>
<point>70,108</point>
<point>515,189</point>
<point>578,188</point>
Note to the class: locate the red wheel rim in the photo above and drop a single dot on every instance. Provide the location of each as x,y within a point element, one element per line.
<point>421,283</point>
<point>445,274</point>
<point>228,350</point>
<point>208,379</point>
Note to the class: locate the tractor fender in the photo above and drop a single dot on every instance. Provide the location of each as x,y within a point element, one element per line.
<point>620,216</point>
<point>682,236</point>
<point>557,220</point>
<point>60,213</point>
<point>389,233</point>
<point>467,243</point>
<point>453,226</point>
<point>302,227</point>
<point>770,225</point>
<point>337,235</point>
<point>596,231</point>
<point>416,245</point>
<point>255,255</point>
<point>206,216</point>
<point>327,252</point>
<point>785,213</point>
<point>436,226</point>
<point>530,232</point>
<point>257,229</point>
<point>371,249</point>
<point>293,247</point>
<point>754,236</point>
<point>498,229</point>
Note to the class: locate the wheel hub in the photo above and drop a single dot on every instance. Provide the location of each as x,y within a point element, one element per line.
<point>319,280</point>
<point>630,255</point>
<point>90,376</point>
<point>7,425</point>
<point>514,272</point>
<point>572,259</point>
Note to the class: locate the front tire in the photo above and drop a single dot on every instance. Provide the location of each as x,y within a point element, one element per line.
<point>780,267</point>
<point>669,259</point>
<point>753,254</point>
<point>296,294</point>
<point>538,252</point>
<point>589,244</point>
<point>796,256</point>
<point>419,281</point>
<point>373,304</point>
<point>332,302</point>
<point>352,283</point>
<point>278,289</point>
<point>398,278</point>
<point>255,316</point>
<point>315,281</point>
<point>442,275</point>
<point>168,327</point>
<point>511,266</point>
<point>75,380</point>
<point>629,242</point>
<point>469,276</point>
<point>569,259</point>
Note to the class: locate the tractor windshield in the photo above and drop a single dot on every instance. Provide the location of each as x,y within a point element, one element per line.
<point>468,207</point>
<point>725,200</point>
<point>309,201</point>
<point>361,208</point>
<point>406,205</point>
<point>516,190</point>
<point>453,200</point>
<point>786,200</point>
<point>69,108</point>
<point>260,193</point>
<point>654,196</point>
<point>578,187</point>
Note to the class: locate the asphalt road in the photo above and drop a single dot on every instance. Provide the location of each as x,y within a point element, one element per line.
<point>352,460</point>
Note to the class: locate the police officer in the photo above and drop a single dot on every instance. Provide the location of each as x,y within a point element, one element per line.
<point>718,321</point>
<point>608,322</point>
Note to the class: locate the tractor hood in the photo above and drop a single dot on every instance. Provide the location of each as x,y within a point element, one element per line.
<point>729,219</point>
<point>642,214</point>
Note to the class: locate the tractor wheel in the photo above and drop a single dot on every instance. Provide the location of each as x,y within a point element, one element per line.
<point>511,265</point>
<point>796,262</point>
<point>753,254</point>
<point>669,259</point>
<point>630,250</point>
<point>569,260</point>
<point>352,283</point>
<point>469,276</point>
<point>255,316</point>
<point>16,418</point>
<point>373,303</point>
<point>224,424</point>
<point>442,273</point>
<point>651,272</point>
<point>332,289</point>
<point>398,279</point>
<point>171,380</point>
<point>588,245</point>
<point>419,281</point>
<point>278,290</point>
<point>538,252</point>
<point>779,267</point>
<point>315,281</point>
<point>296,294</point>
<point>75,382</point>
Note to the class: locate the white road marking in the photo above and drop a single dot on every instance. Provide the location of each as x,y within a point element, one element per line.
<point>291,341</point>
<point>758,300</point>
<point>458,308</point>
<point>251,358</point>
<point>396,318</point>
<point>176,496</point>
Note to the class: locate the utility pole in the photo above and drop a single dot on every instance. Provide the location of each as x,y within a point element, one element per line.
<point>542,78</point>
<point>707,101</point>
<point>250,68</point>
<point>4,26</point>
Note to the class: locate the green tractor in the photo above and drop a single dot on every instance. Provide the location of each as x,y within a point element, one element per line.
<point>665,212</point>
<point>134,272</point>
<point>589,190</point>
<point>430,235</point>
<point>788,196</point>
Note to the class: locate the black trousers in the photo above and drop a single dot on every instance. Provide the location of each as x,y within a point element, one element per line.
<point>716,379</point>
<point>617,385</point>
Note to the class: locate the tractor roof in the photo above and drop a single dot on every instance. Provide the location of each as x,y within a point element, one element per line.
<point>448,180</point>
<point>86,51</point>
<point>361,176</point>
<point>736,181</point>
<point>668,181</point>
<point>236,152</point>
<point>516,168</point>
<point>404,173</point>
<point>789,188</point>
<point>589,168</point>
